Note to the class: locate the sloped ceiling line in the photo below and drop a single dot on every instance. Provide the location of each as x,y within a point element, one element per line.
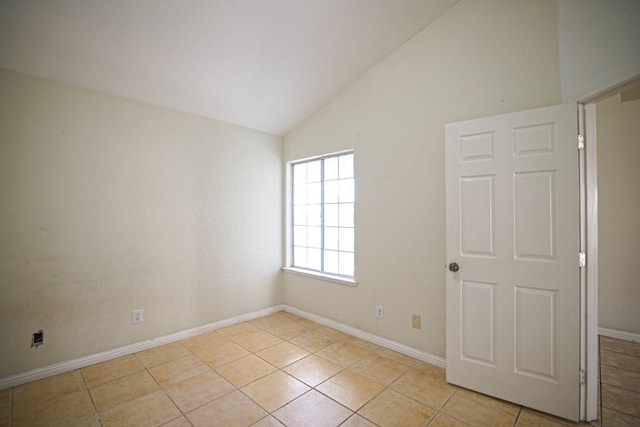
<point>262,64</point>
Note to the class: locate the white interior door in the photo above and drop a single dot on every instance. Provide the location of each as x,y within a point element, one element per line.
<point>513,307</point>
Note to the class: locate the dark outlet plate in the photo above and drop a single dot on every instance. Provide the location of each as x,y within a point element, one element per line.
<point>38,339</point>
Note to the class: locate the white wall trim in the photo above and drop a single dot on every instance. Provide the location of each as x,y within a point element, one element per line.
<point>383,342</point>
<point>621,335</point>
<point>82,362</point>
<point>605,91</point>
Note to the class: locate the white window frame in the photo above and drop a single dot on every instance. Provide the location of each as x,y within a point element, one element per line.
<point>344,280</point>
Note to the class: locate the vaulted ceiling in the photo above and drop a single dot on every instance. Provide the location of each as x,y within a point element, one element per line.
<point>263,64</point>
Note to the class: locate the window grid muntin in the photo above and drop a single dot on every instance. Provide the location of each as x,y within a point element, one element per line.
<point>340,253</point>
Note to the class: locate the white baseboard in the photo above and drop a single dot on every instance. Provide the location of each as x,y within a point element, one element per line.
<point>82,362</point>
<point>621,335</point>
<point>383,342</point>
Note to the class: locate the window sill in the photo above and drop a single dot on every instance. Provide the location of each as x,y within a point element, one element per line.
<point>316,275</point>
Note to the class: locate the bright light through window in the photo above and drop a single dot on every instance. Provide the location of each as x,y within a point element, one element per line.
<point>323,211</point>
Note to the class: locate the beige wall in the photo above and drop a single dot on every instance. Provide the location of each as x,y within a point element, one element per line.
<point>107,205</point>
<point>599,45</point>
<point>618,127</point>
<point>479,59</point>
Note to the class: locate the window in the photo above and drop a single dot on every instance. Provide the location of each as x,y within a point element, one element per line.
<point>322,234</point>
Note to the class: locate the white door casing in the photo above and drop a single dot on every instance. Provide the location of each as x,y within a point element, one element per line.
<point>512,218</point>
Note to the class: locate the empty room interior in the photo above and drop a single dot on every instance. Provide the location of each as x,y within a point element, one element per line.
<point>241,210</point>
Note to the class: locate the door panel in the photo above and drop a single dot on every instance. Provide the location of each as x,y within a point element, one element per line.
<point>513,308</point>
<point>534,215</point>
<point>476,222</point>
<point>535,332</point>
<point>477,318</point>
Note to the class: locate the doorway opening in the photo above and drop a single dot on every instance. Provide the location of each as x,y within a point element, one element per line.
<point>627,91</point>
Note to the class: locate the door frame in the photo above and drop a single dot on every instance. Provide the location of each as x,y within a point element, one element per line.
<point>589,214</point>
<point>589,275</point>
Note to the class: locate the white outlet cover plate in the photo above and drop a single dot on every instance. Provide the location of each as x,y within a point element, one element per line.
<point>379,311</point>
<point>137,316</point>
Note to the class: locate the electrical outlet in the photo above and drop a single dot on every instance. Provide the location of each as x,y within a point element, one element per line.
<point>37,338</point>
<point>137,316</point>
<point>379,311</point>
<point>416,321</point>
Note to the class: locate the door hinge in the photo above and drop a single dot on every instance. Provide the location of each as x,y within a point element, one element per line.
<point>580,142</point>
<point>582,259</point>
<point>582,377</point>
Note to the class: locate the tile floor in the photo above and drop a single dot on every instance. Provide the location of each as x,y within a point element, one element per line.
<point>619,382</point>
<point>285,370</point>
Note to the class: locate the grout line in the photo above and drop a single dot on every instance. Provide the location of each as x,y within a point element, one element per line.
<point>314,388</point>
<point>618,367</point>
<point>631,356</point>
<point>310,387</point>
<point>165,392</point>
<point>515,421</point>
<point>346,339</point>
<point>600,413</point>
<point>620,388</point>
<point>600,406</point>
<point>88,390</point>
<point>625,414</point>
<point>441,409</point>
<point>11,390</point>
<point>622,352</point>
<point>385,387</point>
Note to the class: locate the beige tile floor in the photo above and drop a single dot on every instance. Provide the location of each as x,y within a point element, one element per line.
<point>285,370</point>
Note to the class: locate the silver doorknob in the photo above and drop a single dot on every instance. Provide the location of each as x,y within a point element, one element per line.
<point>454,267</point>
